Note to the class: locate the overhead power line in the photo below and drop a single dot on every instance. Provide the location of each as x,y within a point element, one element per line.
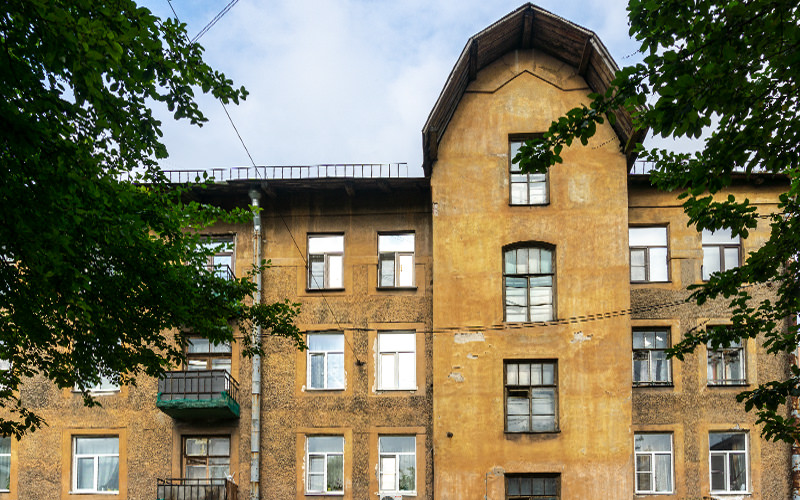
<point>214,20</point>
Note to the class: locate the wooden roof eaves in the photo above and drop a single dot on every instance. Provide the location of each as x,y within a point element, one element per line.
<point>519,29</point>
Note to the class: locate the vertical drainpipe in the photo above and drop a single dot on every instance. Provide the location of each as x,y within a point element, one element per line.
<point>255,400</point>
<point>795,402</point>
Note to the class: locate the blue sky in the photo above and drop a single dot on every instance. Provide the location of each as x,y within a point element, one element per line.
<point>348,81</point>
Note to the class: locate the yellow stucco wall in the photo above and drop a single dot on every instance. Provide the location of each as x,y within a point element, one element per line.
<point>586,223</point>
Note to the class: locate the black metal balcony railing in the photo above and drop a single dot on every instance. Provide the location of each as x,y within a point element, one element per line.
<point>196,489</point>
<point>223,271</point>
<point>198,393</point>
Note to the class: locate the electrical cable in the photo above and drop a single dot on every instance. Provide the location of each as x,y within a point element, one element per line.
<point>255,169</point>
<point>214,20</point>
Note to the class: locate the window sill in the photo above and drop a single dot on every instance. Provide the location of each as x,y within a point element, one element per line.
<point>399,288</point>
<point>401,389</point>
<point>650,282</point>
<point>94,493</point>
<point>531,433</point>
<point>529,204</point>
<point>95,393</point>
<point>323,494</point>
<point>737,384</point>
<point>397,493</point>
<point>667,385</point>
<point>317,389</point>
<point>317,290</point>
<point>740,493</point>
<point>653,493</point>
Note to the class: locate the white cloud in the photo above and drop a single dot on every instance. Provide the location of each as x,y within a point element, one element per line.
<point>347,81</point>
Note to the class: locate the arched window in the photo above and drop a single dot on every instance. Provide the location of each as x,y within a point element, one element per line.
<point>528,281</point>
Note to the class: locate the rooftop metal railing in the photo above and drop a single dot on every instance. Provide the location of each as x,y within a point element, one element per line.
<point>645,167</point>
<point>326,171</point>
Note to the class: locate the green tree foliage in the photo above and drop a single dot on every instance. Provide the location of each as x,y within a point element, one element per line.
<point>735,63</point>
<point>95,268</point>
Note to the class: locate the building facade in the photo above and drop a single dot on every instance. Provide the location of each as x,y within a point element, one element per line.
<point>472,333</point>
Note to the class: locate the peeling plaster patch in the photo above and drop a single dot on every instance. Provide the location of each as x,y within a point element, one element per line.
<point>472,356</point>
<point>580,337</point>
<point>457,377</point>
<point>498,471</point>
<point>463,338</point>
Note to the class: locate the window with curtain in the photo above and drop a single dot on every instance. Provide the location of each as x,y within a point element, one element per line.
<point>325,360</point>
<point>649,254</point>
<point>396,260</point>
<point>653,462</point>
<point>721,252</point>
<point>325,261</point>
<point>95,464</point>
<point>728,462</point>
<point>528,280</point>
<point>531,396</point>
<point>206,457</point>
<point>398,464</point>
<point>650,363</point>
<point>525,189</point>
<point>325,464</point>
<point>5,463</point>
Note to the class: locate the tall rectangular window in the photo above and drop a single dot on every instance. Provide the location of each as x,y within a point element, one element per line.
<point>528,279</point>
<point>221,261</point>
<point>526,189</point>
<point>396,260</point>
<point>728,461</point>
<point>325,360</point>
<point>533,487</point>
<point>531,396</point>
<point>726,365</point>
<point>650,363</point>
<point>721,252</point>
<point>397,363</point>
<point>207,457</point>
<point>326,261</point>
<point>398,464</point>
<point>95,464</point>
<point>203,355</point>
<point>653,462</point>
<point>648,246</point>
<point>325,462</point>
<point>5,463</point>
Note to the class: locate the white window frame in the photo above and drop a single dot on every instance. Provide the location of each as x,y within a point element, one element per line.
<point>3,488</point>
<point>95,457</point>
<point>635,245</point>
<point>720,241</point>
<point>330,280</point>
<point>397,361</point>
<point>326,354</point>
<point>736,347</point>
<point>105,386</point>
<point>650,350</point>
<point>726,471</point>
<point>652,472</point>
<point>397,257</point>
<point>516,177</point>
<point>396,471</point>
<point>324,455</point>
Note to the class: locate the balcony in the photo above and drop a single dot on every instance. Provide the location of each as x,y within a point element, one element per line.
<point>224,272</point>
<point>198,395</point>
<point>196,489</point>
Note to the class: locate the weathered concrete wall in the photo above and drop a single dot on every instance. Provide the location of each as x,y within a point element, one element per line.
<point>690,408</point>
<point>359,412</point>
<point>586,222</point>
